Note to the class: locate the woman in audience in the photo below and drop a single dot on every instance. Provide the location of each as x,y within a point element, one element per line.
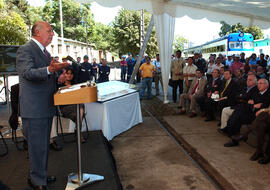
<point>69,111</point>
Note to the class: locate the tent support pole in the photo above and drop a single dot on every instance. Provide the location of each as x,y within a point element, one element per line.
<point>142,50</point>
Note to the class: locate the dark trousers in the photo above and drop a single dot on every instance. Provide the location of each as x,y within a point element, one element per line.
<point>262,126</point>
<point>242,114</point>
<point>37,131</point>
<point>123,73</point>
<point>201,102</point>
<point>210,107</point>
<point>175,85</point>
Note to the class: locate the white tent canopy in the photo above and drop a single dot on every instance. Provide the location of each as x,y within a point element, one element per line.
<point>247,12</point>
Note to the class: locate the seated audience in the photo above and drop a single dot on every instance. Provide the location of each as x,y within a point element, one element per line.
<point>211,88</point>
<point>261,125</point>
<point>226,97</point>
<point>195,91</point>
<point>245,113</point>
<point>245,95</point>
<point>69,111</point>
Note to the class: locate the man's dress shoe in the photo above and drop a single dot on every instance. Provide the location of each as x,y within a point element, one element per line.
<point>55,146</point>
<point>209,119</point>
<point>193,115</point>
<point>37,187</point>
<point>231,144</point>
<point>182,112</point>
<point>256,156</point>
<point>264,160</point>
<point>240,138</point>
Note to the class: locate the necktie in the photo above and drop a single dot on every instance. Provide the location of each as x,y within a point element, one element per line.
<point>195,87</point>
<point>226,85</point>
<point>46,53</point>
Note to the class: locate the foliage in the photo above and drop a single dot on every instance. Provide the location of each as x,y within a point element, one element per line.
<point>254,30</point>
<point>13,30</point>
<point>126,33</point>
<point>75,18</point>
<point>103,37</point>
<point>178,43</point>
<point>29,13</point>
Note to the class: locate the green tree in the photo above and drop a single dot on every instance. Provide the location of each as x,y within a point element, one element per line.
<point>29,13</point>
<point>254,30</point>
<point>13,30</point>
<point>75,17</point>
<point>178,43</point>
<point>103,37</point>
<point>126,33</point>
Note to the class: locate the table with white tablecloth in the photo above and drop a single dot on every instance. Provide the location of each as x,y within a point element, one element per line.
<point>113,117</point>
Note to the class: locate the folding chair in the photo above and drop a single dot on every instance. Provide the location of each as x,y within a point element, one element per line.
<point>13,119</point>
<point>4,142</point>
<point>59,122</point>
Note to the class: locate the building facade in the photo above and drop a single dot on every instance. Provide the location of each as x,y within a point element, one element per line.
<point>76,49</point>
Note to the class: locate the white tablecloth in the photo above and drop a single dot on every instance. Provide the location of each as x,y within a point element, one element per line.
<point>113,117</point>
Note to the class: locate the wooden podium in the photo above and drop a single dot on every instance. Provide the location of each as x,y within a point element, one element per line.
<point>78,94</point>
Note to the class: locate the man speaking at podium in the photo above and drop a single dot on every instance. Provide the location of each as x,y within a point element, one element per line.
<point>36,71</point>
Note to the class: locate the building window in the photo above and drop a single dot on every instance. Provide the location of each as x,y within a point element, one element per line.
<point>68,49</point>
<point>60,49</point>
<point>52,49</point>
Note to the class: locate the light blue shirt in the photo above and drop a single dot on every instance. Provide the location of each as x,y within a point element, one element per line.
<point>252,62</point>
<point>157,66</point>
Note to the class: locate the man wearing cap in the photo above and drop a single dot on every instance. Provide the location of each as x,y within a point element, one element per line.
<point>123,65</point>
<point>130,64</point>
<point>236,65</point>
<point>86,70</point>
<point>229,61</point>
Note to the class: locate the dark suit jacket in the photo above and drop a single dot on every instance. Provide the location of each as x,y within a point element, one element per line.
<point>244,96</point>
<point>36,86</point>
<point>230,92</point>
<point>263,98</point>
<point>210,88</point>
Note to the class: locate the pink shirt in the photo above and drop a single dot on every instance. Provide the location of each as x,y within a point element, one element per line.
<point>235,66</point>
<point>123,63</point>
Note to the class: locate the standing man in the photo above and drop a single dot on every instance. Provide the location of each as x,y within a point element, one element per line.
<point>79,60</point>
<point>189,73</point>
<point>104,71</point>
<point>130,66</point>
<point>123,65</point>
<point>146,71</point>
<point>86,70</point>
<point>37,85</point>
<point>95,68</point>
<point>177,67</point>
<point>157,76</point>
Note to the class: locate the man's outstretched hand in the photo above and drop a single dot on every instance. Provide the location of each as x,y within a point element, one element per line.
<point>57,66</point>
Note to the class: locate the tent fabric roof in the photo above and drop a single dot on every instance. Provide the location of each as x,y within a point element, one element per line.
<point>247,12</point>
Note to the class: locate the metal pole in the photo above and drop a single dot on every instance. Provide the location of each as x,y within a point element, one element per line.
<point>61,25</point>
<point>79,179</point>
<point>142,28</point>
<point>6,92</point>
<point>86,28</point>
<point>136,68</point>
